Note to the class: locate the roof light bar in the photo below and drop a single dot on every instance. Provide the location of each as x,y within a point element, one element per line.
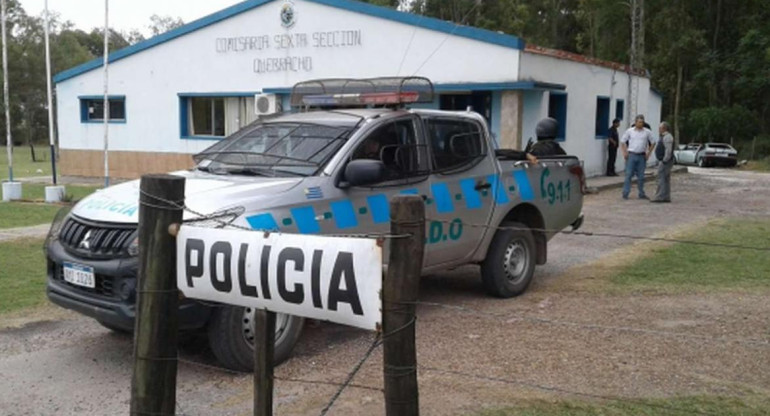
<point>361,92</point>
<point>380,98</point>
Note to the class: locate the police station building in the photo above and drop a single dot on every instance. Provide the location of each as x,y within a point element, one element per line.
<point>178,93</point>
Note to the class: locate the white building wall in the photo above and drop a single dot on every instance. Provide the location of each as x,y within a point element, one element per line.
<point>152,79</point>
<point>584,84</point>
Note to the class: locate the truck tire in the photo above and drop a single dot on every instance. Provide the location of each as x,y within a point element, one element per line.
<point>510,263</point>
<point>231,337</point>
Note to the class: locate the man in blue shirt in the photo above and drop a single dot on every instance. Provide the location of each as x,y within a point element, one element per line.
<point>636,144</point>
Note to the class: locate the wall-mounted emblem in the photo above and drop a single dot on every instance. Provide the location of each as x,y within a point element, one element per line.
<point>288,14</point>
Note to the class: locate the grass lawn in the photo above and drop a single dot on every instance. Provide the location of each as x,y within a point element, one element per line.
<point>758,165</point>
<point>693,266</point>
<point>23,214</point>
<point>36,192</point>
<point>683,406</point>
<point>22,275</point>
<point>23,166</point>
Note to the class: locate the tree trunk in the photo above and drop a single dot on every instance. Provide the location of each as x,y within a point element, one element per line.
<point>715,49</point>
<point>677,99</point>
<point>29,136</point>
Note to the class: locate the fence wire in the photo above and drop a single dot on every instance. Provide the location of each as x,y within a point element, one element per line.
<point>217,219</point>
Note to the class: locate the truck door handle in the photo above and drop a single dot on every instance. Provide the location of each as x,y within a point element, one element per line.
<point>482,185</point>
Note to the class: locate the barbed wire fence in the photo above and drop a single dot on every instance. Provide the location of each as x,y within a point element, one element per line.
<point>224,220</point>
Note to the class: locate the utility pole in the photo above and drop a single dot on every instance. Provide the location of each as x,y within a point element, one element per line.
<point>636,55</point>
<point>106,111</point>
<point>50,94</point>
<point>5,95</point>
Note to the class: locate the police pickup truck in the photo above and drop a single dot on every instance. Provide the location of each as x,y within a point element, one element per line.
<point>329,171</point>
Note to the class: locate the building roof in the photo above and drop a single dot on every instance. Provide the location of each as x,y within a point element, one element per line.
<point>570,56</point>
<point>349,5</point>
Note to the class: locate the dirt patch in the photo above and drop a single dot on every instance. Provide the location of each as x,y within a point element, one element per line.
<point>26,317</point>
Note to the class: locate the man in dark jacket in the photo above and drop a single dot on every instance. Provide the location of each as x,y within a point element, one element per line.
<point>612,147</point>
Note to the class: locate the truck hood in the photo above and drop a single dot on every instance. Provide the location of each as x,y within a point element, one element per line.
<point>204,193</point>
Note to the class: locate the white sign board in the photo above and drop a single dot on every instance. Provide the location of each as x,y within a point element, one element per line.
<point>328,278</point>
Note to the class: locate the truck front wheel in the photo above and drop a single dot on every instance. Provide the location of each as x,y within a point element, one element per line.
<point>231,336</point>
<point>510,263</point>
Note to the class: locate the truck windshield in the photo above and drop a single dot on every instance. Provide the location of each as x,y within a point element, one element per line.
<point>274,149</point>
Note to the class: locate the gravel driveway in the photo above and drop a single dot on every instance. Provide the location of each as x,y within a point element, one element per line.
<point>552,342</point>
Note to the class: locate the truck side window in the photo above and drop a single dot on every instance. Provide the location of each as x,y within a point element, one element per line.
<point>395,144</point>
<point>455,143</point>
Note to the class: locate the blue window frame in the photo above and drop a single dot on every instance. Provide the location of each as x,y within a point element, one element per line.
<point>557,108</point>
<point>213,116</point>
<point>602,117</point>
<point>620,109</point>
<point>92,108</point>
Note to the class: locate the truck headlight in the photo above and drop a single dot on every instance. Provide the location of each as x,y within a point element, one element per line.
<point>56,226</point>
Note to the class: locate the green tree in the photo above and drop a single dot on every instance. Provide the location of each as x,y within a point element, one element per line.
<point>161,24</point>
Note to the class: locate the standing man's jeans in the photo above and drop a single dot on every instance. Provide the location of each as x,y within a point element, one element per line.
<point>663,192</point>
<point>634,166</point>
<point>612,154</point>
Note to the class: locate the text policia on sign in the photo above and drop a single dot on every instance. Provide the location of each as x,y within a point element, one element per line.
<point>328,278</point>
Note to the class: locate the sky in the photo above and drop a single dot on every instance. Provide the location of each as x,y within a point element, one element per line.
<point>125,14</point>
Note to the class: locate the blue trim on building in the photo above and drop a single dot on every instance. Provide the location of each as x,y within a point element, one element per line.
<point>218,94</point>
<point>184,132</point>
<point>353,6</point>
<point>276,90</point>
<point>465,86</point>
<point>602,117</point>
<point>101,97</point>
<point>559,111</point>
<point>499,86</point>
<point>620,109</point>
<point>84,108</point>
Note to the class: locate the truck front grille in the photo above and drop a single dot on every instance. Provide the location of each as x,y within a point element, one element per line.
<point>96,240</point>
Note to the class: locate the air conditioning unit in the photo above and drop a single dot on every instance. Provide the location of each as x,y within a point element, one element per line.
<point>265,104</point>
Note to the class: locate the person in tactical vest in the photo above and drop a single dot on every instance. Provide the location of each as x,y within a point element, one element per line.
<point>546,131</point>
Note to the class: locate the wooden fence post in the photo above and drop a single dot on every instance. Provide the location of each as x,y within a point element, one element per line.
<point>264,347</point>
<point>400,291</point>
<point>153,386</point>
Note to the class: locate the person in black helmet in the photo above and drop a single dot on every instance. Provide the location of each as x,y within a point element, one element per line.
<point>546,131</point>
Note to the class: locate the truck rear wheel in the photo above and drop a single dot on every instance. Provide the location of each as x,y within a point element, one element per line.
<point>510,263</point>
<point>231,336</point>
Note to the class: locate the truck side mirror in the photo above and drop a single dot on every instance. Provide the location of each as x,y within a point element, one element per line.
<point>363,172</point>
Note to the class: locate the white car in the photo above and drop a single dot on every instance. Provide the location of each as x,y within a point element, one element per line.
<point>705,155</point>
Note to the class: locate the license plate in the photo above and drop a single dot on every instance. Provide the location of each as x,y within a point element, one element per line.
<point>79,275</point>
